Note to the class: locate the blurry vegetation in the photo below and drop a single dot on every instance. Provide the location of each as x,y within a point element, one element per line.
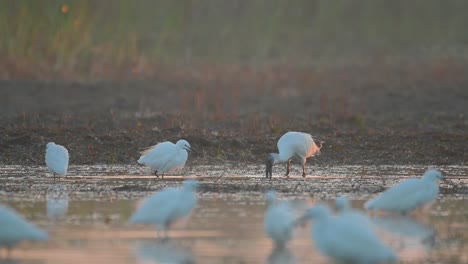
<point>120,38</point>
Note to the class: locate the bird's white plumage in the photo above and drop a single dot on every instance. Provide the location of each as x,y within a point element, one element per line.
<point>56,158</point>
<point>166,156</point>
<point>279,221</point>
<point>345,210</point>
<point>297,146</point>
<point>344,240</point>
<point>167,206</point>
<point>408,195</point>
<point>14,229</point>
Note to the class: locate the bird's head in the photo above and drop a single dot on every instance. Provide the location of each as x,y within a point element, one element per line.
<point>342,203</point>
<point>183,144</point>
<point>50,144</point>
<point>433,175</point>
<point>270,197</point>
<point>269,162</point>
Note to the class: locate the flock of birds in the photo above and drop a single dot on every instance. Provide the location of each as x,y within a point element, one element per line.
<point>347,236</point>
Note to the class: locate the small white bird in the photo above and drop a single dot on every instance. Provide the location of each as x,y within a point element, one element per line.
<point>165,207</point>
<point>345,210</point>
<point>56,159</point>
<point>408,195</point>
<point>57,201</point>
<point>14,229</point>
<point>345,240</point>
<point>279,221</point>
<point>295,146</point>
<point>166,156</point>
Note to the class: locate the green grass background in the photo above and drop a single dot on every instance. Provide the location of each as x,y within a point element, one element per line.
<point>106,37</point>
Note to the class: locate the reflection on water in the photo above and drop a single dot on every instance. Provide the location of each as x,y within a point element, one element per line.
<point>220,230</point>
<point>163,251</point>
<point>57,201</point>
<point>281,256</point>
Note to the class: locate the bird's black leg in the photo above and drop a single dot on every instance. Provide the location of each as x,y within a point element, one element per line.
<point>156,173</point>
<point>162,176</point>
<point>303,170</point>
<point>287,168</point>
<point>54,176</point>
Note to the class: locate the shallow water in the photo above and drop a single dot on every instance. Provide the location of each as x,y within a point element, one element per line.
<point>225,230</point>
<point>86,215</point>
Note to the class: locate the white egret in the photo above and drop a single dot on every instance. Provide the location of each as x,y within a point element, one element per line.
<point>279,221</point>
<point>295,146</point>
<point>345,240</point>
<point>14,229</point>
<point>408,195</point>
<point>165,207</point>
<point>56,159</point>
<point>166,156</point>
<point>345,210</point>
<point>57,201</point>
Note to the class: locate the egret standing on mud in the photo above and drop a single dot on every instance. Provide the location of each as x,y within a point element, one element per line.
<point>56,159</point>
<point>345,240</point>
<point>280,220</point>
<point>408,195</point>
<point>296,146</point>
<point>165,207</point>
<point>14,229</point>
<point>166,156</point>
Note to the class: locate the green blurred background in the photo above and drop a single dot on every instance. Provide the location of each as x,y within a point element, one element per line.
<point>50,39</point>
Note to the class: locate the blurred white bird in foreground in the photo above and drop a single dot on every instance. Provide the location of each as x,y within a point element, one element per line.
<point>56,159</point>
<point>345,210</point>
<point>57,201</point>
<point>295,146</point>
<point>345,240</point>
<point>166,156</point>
<point>165,207</point>
<point>14,229</point>
<point>408,195</point>
<point>279,221</point>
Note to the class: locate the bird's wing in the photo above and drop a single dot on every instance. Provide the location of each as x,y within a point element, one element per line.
<point>350,239</point>
<point>156,206</point>
<point>159,156</point>
<point>149,149</point>
<point>399,194</point>
<point>297,144</point>
<point>57,159</point>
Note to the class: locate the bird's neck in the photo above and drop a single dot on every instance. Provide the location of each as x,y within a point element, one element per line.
<point>278,158</point>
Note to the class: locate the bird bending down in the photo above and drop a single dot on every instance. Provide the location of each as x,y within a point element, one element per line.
<point>14,229</point>
<point>166,156</point>
<point>408,195</point>
<point>345,240</point>
<point>296,146</point>
<point>165,207</point>
<point>56,159</point>
<point>279,221</point>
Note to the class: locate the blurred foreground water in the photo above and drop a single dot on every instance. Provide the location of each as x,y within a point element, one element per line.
<point>86,216</point>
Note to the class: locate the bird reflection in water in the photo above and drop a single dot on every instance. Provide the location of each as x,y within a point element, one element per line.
<point>163,251</point>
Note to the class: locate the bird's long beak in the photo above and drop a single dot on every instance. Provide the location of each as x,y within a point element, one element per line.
<point>191,150</point>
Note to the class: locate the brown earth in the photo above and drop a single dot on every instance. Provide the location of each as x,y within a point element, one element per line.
<point>373,114</point>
